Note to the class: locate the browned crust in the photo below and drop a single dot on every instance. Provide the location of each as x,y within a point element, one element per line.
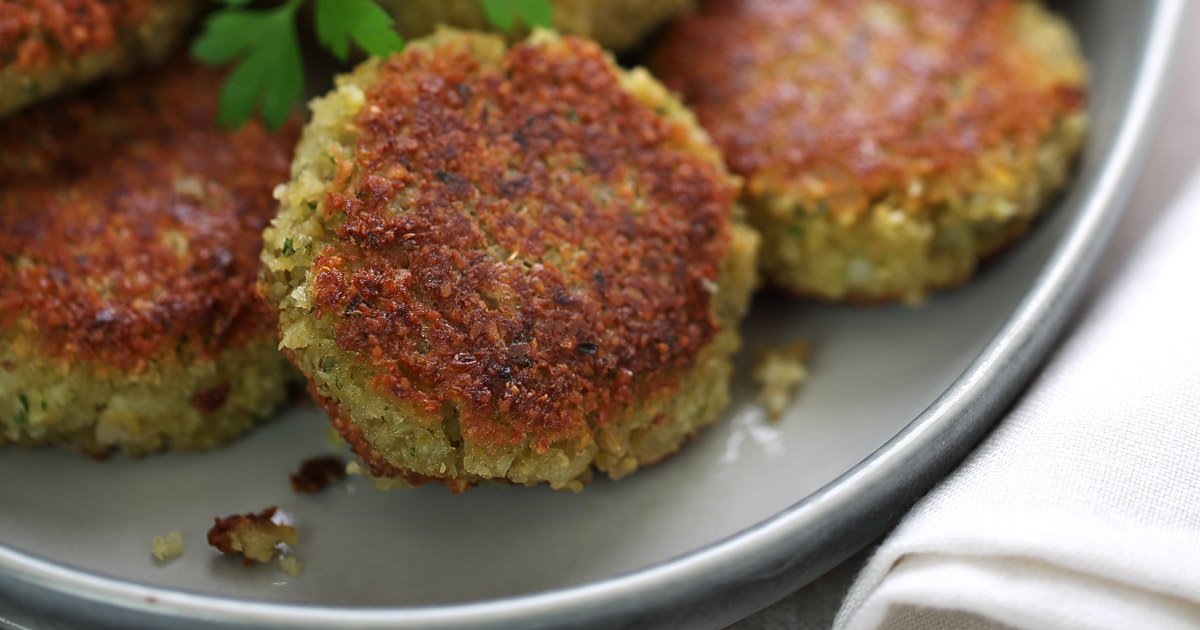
<point>793,87</point>
<point>380,468</point>
<point>316,473</point>
<point>131,225</point>
<point>555,258</point>
<point>225,531</point>
<point>34,32</point>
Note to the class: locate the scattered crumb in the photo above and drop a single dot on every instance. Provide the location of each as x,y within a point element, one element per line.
<point>255,537</point>
<point>779,371</point>
<point>168,547</point>
<point>291,565</point>
<point>382,484</point>
<point>317,473</point>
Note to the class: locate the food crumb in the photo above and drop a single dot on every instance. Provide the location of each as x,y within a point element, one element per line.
<point>255,537</point>
<point>167,547</point>
<point>291,565</point>
<point>317,473</point>
<point>779,372</point>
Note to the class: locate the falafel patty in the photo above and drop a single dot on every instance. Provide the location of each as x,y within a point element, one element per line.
<point>49,46</point>
<point>513,265</point>
<point>887,145</point>
<point>616,24</point>
<point>130,228</point>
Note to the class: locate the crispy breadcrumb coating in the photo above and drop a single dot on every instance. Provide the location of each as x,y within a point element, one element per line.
<point>48,46</point>
<point>130,228</point>
<point>887,145</point>
<point>509,264</point>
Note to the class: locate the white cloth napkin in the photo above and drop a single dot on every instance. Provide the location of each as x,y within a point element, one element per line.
<point>1082,510</point>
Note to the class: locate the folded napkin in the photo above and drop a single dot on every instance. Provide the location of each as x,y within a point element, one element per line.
<point>1082,509</point>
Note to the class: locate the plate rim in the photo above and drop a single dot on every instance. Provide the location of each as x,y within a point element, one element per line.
<point>760,564</point>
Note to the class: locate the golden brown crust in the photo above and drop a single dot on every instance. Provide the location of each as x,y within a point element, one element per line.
<point>793,90</point>
<point>131,225</point>
<point>556,254</point>
<point>34,32</point>
<point>252,536</point>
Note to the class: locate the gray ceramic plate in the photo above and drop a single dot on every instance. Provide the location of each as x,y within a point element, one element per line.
<point>747,513</point>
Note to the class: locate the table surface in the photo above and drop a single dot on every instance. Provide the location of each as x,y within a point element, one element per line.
<point>1173,157</point>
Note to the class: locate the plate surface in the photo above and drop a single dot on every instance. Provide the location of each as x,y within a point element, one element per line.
<point>748,512</point>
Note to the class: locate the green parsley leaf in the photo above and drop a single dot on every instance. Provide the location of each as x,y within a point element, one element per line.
<point>330,29</point>
<point>536,12</point>
<point>503,14</point>
<point>226,35</point>
<point>269,71</point>
<point>339,21</point>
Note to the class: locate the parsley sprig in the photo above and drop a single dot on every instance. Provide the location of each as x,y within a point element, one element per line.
<point>339,21</point>
<point>263,45</point>
<point>270,69</point>
<point>503,14</point>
